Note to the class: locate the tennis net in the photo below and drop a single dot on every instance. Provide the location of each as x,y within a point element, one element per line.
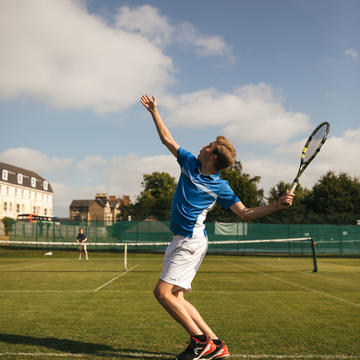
<point>303,246</point>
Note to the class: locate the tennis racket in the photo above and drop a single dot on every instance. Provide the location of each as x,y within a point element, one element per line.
<point>311,149</point>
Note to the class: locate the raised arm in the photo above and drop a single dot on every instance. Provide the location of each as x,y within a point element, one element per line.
<point>248,214</point>
<point>164,133</point>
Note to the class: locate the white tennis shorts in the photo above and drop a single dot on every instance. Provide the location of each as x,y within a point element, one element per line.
<point>182,260</point>
<point>82,246</point>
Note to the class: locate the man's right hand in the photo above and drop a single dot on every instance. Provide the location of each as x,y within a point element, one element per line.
<point>150,104</point>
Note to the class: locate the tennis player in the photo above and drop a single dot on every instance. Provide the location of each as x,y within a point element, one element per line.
<point>81,240</point>
<point>199,188</point>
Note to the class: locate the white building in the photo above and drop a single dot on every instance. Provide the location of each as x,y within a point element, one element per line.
<point>23,192</point>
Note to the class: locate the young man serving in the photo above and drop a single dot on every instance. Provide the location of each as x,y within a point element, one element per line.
<point>199,188</point>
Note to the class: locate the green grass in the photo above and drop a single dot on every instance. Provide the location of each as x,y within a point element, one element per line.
<point>259,305</point>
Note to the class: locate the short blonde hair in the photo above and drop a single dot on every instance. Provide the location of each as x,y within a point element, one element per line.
<point>225,151</point>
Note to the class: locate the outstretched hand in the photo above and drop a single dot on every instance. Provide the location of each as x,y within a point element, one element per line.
<point>285,200</point>
<point>150,104</point>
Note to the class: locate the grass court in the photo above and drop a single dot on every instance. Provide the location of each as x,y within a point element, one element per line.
<point>56,307</point>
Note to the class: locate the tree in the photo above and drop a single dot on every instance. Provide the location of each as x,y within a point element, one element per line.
<point>246,189</point>
<point>334,199</point>
<point>155,199</point>
<point>8,223</point>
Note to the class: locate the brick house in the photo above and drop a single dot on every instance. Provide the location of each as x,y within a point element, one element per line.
<point>102,208</point>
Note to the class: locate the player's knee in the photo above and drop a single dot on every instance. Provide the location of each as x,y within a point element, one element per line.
<point>161,295</point>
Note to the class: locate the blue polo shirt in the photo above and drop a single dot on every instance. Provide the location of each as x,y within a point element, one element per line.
<point>195,195</point>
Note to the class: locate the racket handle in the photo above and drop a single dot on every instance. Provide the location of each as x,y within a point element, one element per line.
<point>292,189</point>
<point>293,186</point>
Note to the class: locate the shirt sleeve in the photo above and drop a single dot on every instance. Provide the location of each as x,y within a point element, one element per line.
<point>227,197</point>
<point>184,156</point>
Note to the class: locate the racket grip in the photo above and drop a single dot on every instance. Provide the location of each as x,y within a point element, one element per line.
<point>293,186</point>
<point>292,189</point>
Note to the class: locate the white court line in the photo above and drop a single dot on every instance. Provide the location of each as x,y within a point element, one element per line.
<point>308,273</point>
<point>297,285</point>
<point>168,356</point>
<point>23,267</point>
<point>116,277</point>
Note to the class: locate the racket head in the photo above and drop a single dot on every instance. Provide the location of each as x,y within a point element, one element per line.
<point>315,142</point>
<point>311,148</point>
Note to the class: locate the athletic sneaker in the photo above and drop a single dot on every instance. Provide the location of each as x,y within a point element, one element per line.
<point>197,349</point>
<point>221,351</point>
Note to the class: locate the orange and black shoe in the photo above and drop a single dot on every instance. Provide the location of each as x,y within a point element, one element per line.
<point>197,349</point>
<point>221,351</point>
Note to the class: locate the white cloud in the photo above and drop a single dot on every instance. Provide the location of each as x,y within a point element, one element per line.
<point>338,154</point>
<point>252,113</point>
<point>147,21</point>
<point>150,23</point>
<point>91,163</point>
<point>58,53</point>
<point>34,160</point>
<point>271,171</point>
<point>120,176</point>
<point>125,173</point>
<point>354,54</point>
<point>204,44</point>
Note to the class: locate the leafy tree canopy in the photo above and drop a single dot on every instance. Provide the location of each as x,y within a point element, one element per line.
<point>155,199</point>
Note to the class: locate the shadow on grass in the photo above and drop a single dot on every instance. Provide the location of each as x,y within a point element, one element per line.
<point>81,347</point>
<point>55,344</point>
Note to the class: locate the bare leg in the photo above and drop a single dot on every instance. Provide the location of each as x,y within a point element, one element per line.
<point>195,315</point>
<point>181,310</point>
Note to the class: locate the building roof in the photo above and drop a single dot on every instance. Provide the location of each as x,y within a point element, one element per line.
<point>13,171</point>
<point>114,203</point>
<point>81,203</point>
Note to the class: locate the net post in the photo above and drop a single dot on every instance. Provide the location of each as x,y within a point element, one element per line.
<point>314,254</point>
<point>125,257</point>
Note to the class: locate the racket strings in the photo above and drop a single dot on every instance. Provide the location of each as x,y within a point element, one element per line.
<point>315,143</point>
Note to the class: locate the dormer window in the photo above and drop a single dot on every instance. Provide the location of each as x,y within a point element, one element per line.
<point>5,174</point>
<point>33,182</point>
<point>20,178</point>
<point>45,185</point>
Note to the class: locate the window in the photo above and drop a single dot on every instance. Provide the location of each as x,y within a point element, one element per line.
<point>34,209</point>
<point>5,206</point>
<point>5,174</point>
<point>33,182</point>
<point>20,178</point>
<point>10,207</point>
<point>45,211</point>
<point>22,208</point>
<point>45,185</point>
<point>17,208</point>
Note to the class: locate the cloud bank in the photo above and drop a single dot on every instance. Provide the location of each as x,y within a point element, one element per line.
<point>252,113</point>
<point>87,63</point>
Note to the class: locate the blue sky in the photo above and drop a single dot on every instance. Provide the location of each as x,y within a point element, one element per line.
<point>263,73</point>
